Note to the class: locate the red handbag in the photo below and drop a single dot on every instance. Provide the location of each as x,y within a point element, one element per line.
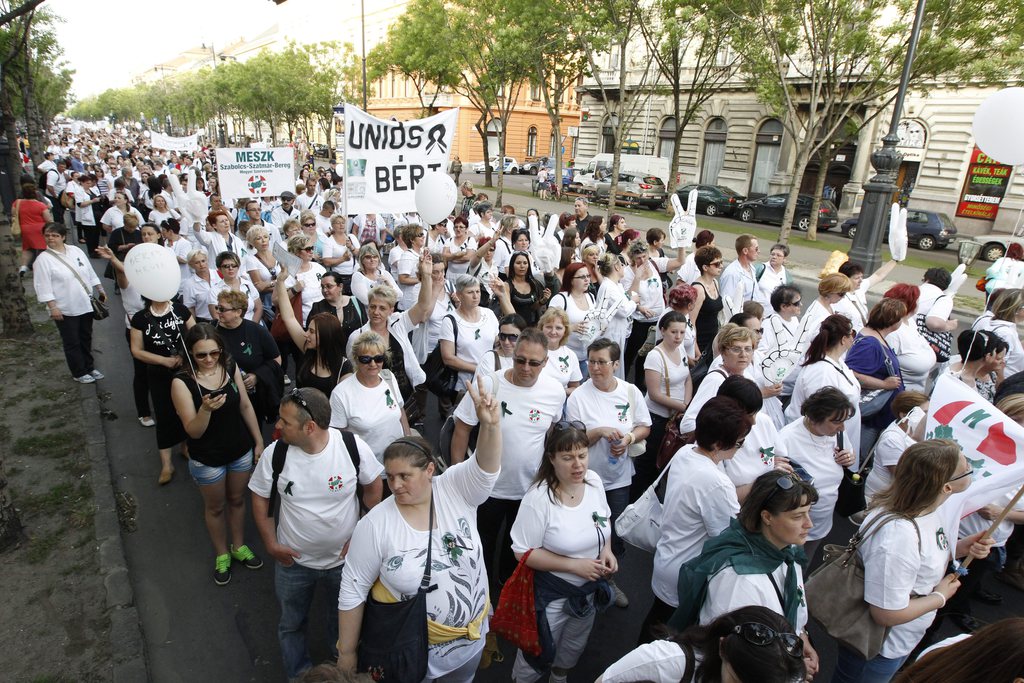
<point>515,620</point>
<point>278,330</point>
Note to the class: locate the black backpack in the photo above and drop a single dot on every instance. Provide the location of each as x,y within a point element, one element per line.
<point>281,453</point>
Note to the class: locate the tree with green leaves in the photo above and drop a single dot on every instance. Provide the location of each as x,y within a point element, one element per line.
<point>819,64</point>
<point>688,42</point>
<point>609,33</point>
<point>411,50</point>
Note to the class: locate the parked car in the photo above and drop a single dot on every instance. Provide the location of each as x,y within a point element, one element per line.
<point>713,200</point>
<point>533,164</point>
<point>511,166</point>
<point>993,247</point>
<point>321,151</point>
<point>634,190</point>
<point>771,209</point>
<point>926,230</point>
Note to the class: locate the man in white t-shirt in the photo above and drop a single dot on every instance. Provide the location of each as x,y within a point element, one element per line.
<point>308,200</point>
<point>318,512</point>
<point>530,401</point>
<point>738,281</point>
<point>286,211</point>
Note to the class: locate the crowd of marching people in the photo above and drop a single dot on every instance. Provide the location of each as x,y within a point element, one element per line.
<point>575,368</point>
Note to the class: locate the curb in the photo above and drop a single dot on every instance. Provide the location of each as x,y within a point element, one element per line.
<point>127,643</point>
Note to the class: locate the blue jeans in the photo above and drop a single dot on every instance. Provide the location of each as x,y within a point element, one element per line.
<point>294,586</point>
<point>852,668</point>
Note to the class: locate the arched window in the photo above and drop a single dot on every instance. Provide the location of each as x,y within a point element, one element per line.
<point>667,137</point>
<point>767,149</point>
<point>608,135</point>
<point>531,142</point>
<point>714,151</point>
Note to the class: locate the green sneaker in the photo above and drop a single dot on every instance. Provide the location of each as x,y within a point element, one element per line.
<point>246,557</point>
<point>222,570</point>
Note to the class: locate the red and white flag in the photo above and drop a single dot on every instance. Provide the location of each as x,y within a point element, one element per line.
<point>992,442</point>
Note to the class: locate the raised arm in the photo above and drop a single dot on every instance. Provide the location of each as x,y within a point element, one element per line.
<point>284,309</point>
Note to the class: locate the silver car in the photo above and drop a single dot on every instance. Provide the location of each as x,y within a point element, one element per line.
<point>634,189</point>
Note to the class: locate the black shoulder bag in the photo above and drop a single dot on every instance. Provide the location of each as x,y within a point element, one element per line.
<point>441,379</point>
<point>393,640</point>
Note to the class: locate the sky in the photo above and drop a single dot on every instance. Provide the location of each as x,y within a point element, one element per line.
<point>108,41</point>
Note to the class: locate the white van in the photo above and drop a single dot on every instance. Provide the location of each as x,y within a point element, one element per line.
<point>600,167</point>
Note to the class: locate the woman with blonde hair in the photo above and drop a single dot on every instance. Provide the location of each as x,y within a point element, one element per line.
<point>369,273</point>
<point>306,282</point>
<point>563,364</point>
<point>831,290</point>
<point>369,402</point>
<point>906,556</point>
<point>735,344</point>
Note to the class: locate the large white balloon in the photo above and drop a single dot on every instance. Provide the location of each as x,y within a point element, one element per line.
<point>999,126</point>
<point>898,233</point>
<point>435,197</point>
<point>153,271</point>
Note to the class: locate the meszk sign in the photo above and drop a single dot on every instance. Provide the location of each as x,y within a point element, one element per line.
<point>384,160</point>
<point>255,172</point>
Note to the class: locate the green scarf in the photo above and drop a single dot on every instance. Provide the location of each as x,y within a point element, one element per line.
<point>747,553</point>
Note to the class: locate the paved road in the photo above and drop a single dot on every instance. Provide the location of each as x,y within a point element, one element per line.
<point>196,631</point>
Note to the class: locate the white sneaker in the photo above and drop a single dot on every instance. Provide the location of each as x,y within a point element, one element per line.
<point>147,421</point>
<point>85,379</point>
<point>96,374</point>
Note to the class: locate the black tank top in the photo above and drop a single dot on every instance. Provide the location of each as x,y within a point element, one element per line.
<point>226,438</point>
<point>307,378</point>
<point>707,320</point>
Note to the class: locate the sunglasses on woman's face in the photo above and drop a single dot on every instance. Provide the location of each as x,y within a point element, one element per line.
<point>508,336</point>
<point>203,355</point>
<point>366,360</point>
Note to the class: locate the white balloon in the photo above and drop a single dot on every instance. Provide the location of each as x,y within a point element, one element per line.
<point>999,128</point>
<point>898,233</point>
<point>435,197</point>
<point>153,271</point>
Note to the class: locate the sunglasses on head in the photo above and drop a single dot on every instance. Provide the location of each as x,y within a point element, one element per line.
<point>366,360</point>
<point>762,636</point>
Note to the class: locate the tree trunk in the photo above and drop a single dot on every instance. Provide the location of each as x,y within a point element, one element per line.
<point>481,129</point>
<point>13,307</point>
<point>11,530</point>
<point>803,153</point>
<point>33,119</point>
<point>819,185</point>
<point>501,167</point>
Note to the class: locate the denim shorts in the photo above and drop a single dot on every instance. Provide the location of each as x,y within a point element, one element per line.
<point>204,475</point>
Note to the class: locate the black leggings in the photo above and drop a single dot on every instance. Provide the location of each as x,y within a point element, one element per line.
<point>140,382</point>
<point>494,520</point>
<point>630,358</point>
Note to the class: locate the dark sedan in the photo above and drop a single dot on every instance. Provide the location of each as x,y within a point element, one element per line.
<point>926,230</point>
<point>771,209</point>
<point>713,200</point>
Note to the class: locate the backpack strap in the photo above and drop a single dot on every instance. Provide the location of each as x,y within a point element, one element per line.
<point>277,464</point>
<point>353,453</point>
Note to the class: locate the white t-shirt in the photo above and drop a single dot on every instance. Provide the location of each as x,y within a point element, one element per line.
<point>311,292</point>
<point>1007,331</point>
<point>456,268</point>
<point>385,546</point>
<point>891,444</point>
<point>933,302</point>
<point>757,455</point>
<point>728,591</point>
<point>894,569</point>
<point>677,376</point>
<point>781,334</point>
<point>622,408</point>
<point>976,524</point>
<point>317,491</point>
<point>563,365</point>
<point>707,390</point>
<point>408,264</point>
<point>564,301</point>
<point>502,254</point>
<point>914,353</point>
<point>115,219</point>
<point>768,283</point>
<point>854,305</point>
<point>475,338</point>
<point>699,502</point>
<point>689,271</point>
<point>651,294</point>
<point>374,413</point>
<point>816,454</point>
<point>361,284</point>
<point>526,415</point>
<point>738,283</point>
<point>661,661</point>
<point>577,532</point>
<point>331,249</point>
<point>829,373</point>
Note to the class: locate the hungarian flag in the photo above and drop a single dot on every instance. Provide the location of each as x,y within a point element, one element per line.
<point>991,441</point>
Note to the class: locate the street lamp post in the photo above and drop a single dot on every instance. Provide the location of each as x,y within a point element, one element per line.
<point>875,211</point>
<point>362,19</point>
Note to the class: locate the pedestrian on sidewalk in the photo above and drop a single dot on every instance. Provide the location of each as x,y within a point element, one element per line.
<point>318,486</point>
